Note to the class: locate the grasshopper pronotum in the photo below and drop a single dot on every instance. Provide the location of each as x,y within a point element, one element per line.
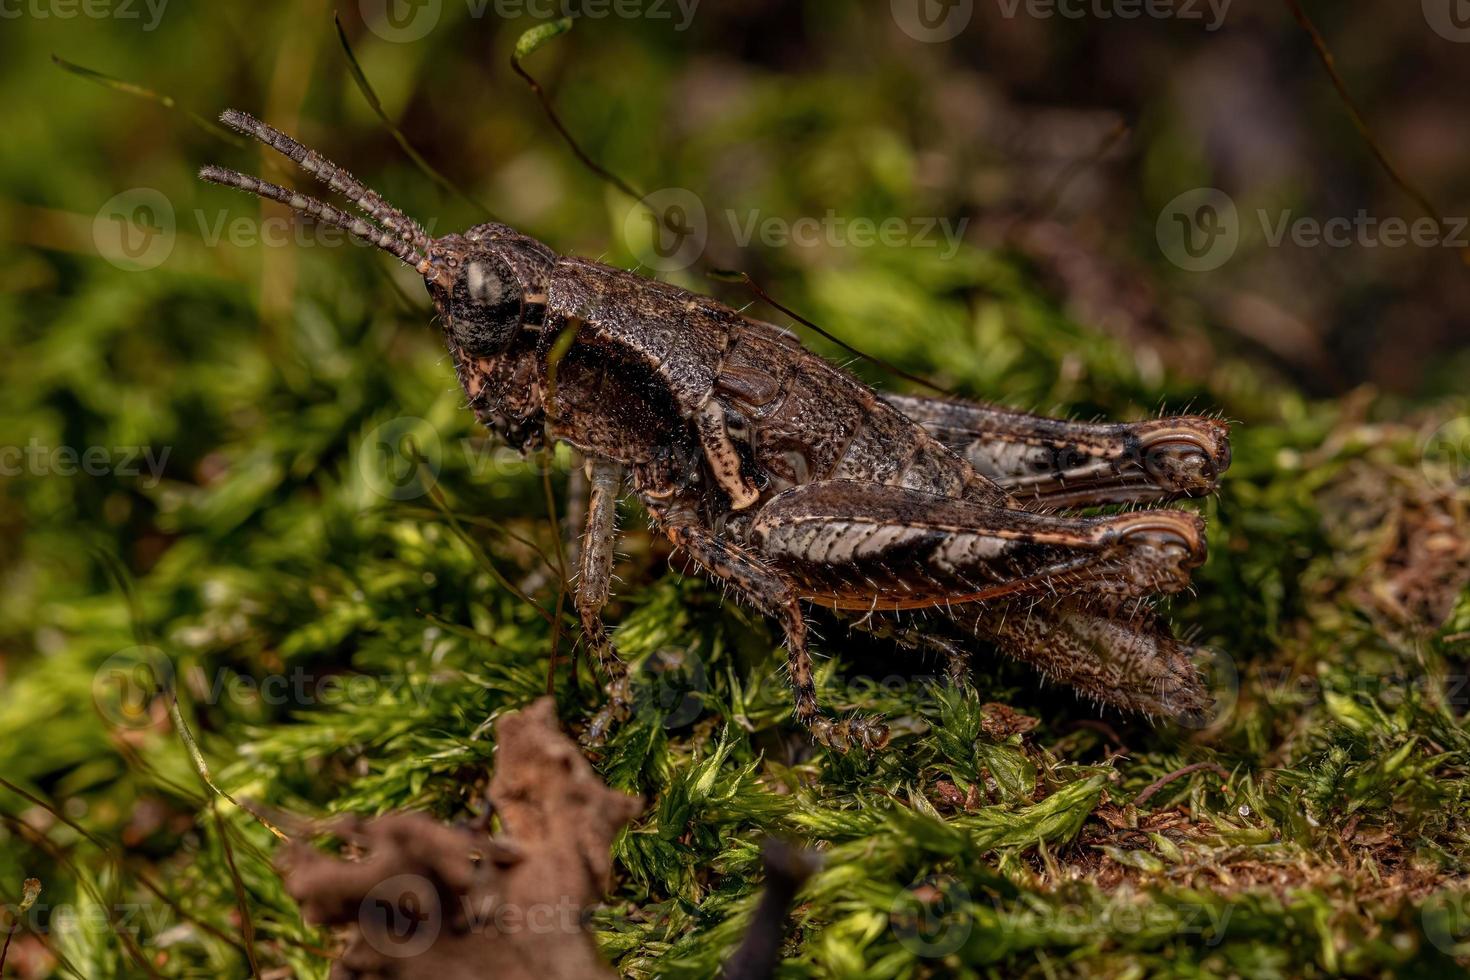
<point>793,482</point>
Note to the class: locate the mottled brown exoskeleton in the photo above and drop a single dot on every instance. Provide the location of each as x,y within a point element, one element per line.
<point>794,483</point>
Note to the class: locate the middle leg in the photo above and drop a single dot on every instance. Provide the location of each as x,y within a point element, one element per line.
<point>765,589</point>
<point>594,580</point>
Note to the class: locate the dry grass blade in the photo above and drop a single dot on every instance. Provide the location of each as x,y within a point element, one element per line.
<point>725,275</point>
<point>366,88</point>
<point>247,923</point>
<point>142,92</point>
<point>1324,54</point>
<point>202,767</point>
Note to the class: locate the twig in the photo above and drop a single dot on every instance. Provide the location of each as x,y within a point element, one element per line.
<point>55,812</point>
<point>1101,727</point>
<point>436,496</point>
<point>186,735</point>
<point>29,893</point>
<point>87,885</point>
<point>787,869</point>
<point>528,43</point>
<point>1052,198</point>
<point>1163,781</point>
<point>182,913</point>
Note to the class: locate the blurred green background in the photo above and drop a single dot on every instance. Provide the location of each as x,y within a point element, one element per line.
<point>196,392</point>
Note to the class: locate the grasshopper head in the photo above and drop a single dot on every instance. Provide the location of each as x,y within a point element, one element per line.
<point>488,284</point>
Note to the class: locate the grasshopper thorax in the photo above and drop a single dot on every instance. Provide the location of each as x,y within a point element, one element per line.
<point>488,285</point>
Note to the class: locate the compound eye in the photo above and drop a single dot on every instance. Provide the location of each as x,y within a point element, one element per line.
<point>485,311</point>
<point>488,284</point>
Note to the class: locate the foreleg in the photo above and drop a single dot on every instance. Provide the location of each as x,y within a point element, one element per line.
<point>594,578</point>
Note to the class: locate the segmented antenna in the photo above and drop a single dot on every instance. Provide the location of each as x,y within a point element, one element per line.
<point>319,210</point>
<point>334,176</point>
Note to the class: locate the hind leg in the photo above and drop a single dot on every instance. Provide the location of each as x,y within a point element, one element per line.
<point>1118,653</point>
<point>1062,463</point>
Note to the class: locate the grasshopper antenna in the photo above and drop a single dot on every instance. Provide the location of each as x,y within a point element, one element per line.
<point>334,176</point>
<point>336,217</point>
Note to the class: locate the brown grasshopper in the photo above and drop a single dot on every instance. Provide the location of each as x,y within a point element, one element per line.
<point>794,483</point>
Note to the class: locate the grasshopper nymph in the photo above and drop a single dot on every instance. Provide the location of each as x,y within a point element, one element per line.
<point>796,484</point>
